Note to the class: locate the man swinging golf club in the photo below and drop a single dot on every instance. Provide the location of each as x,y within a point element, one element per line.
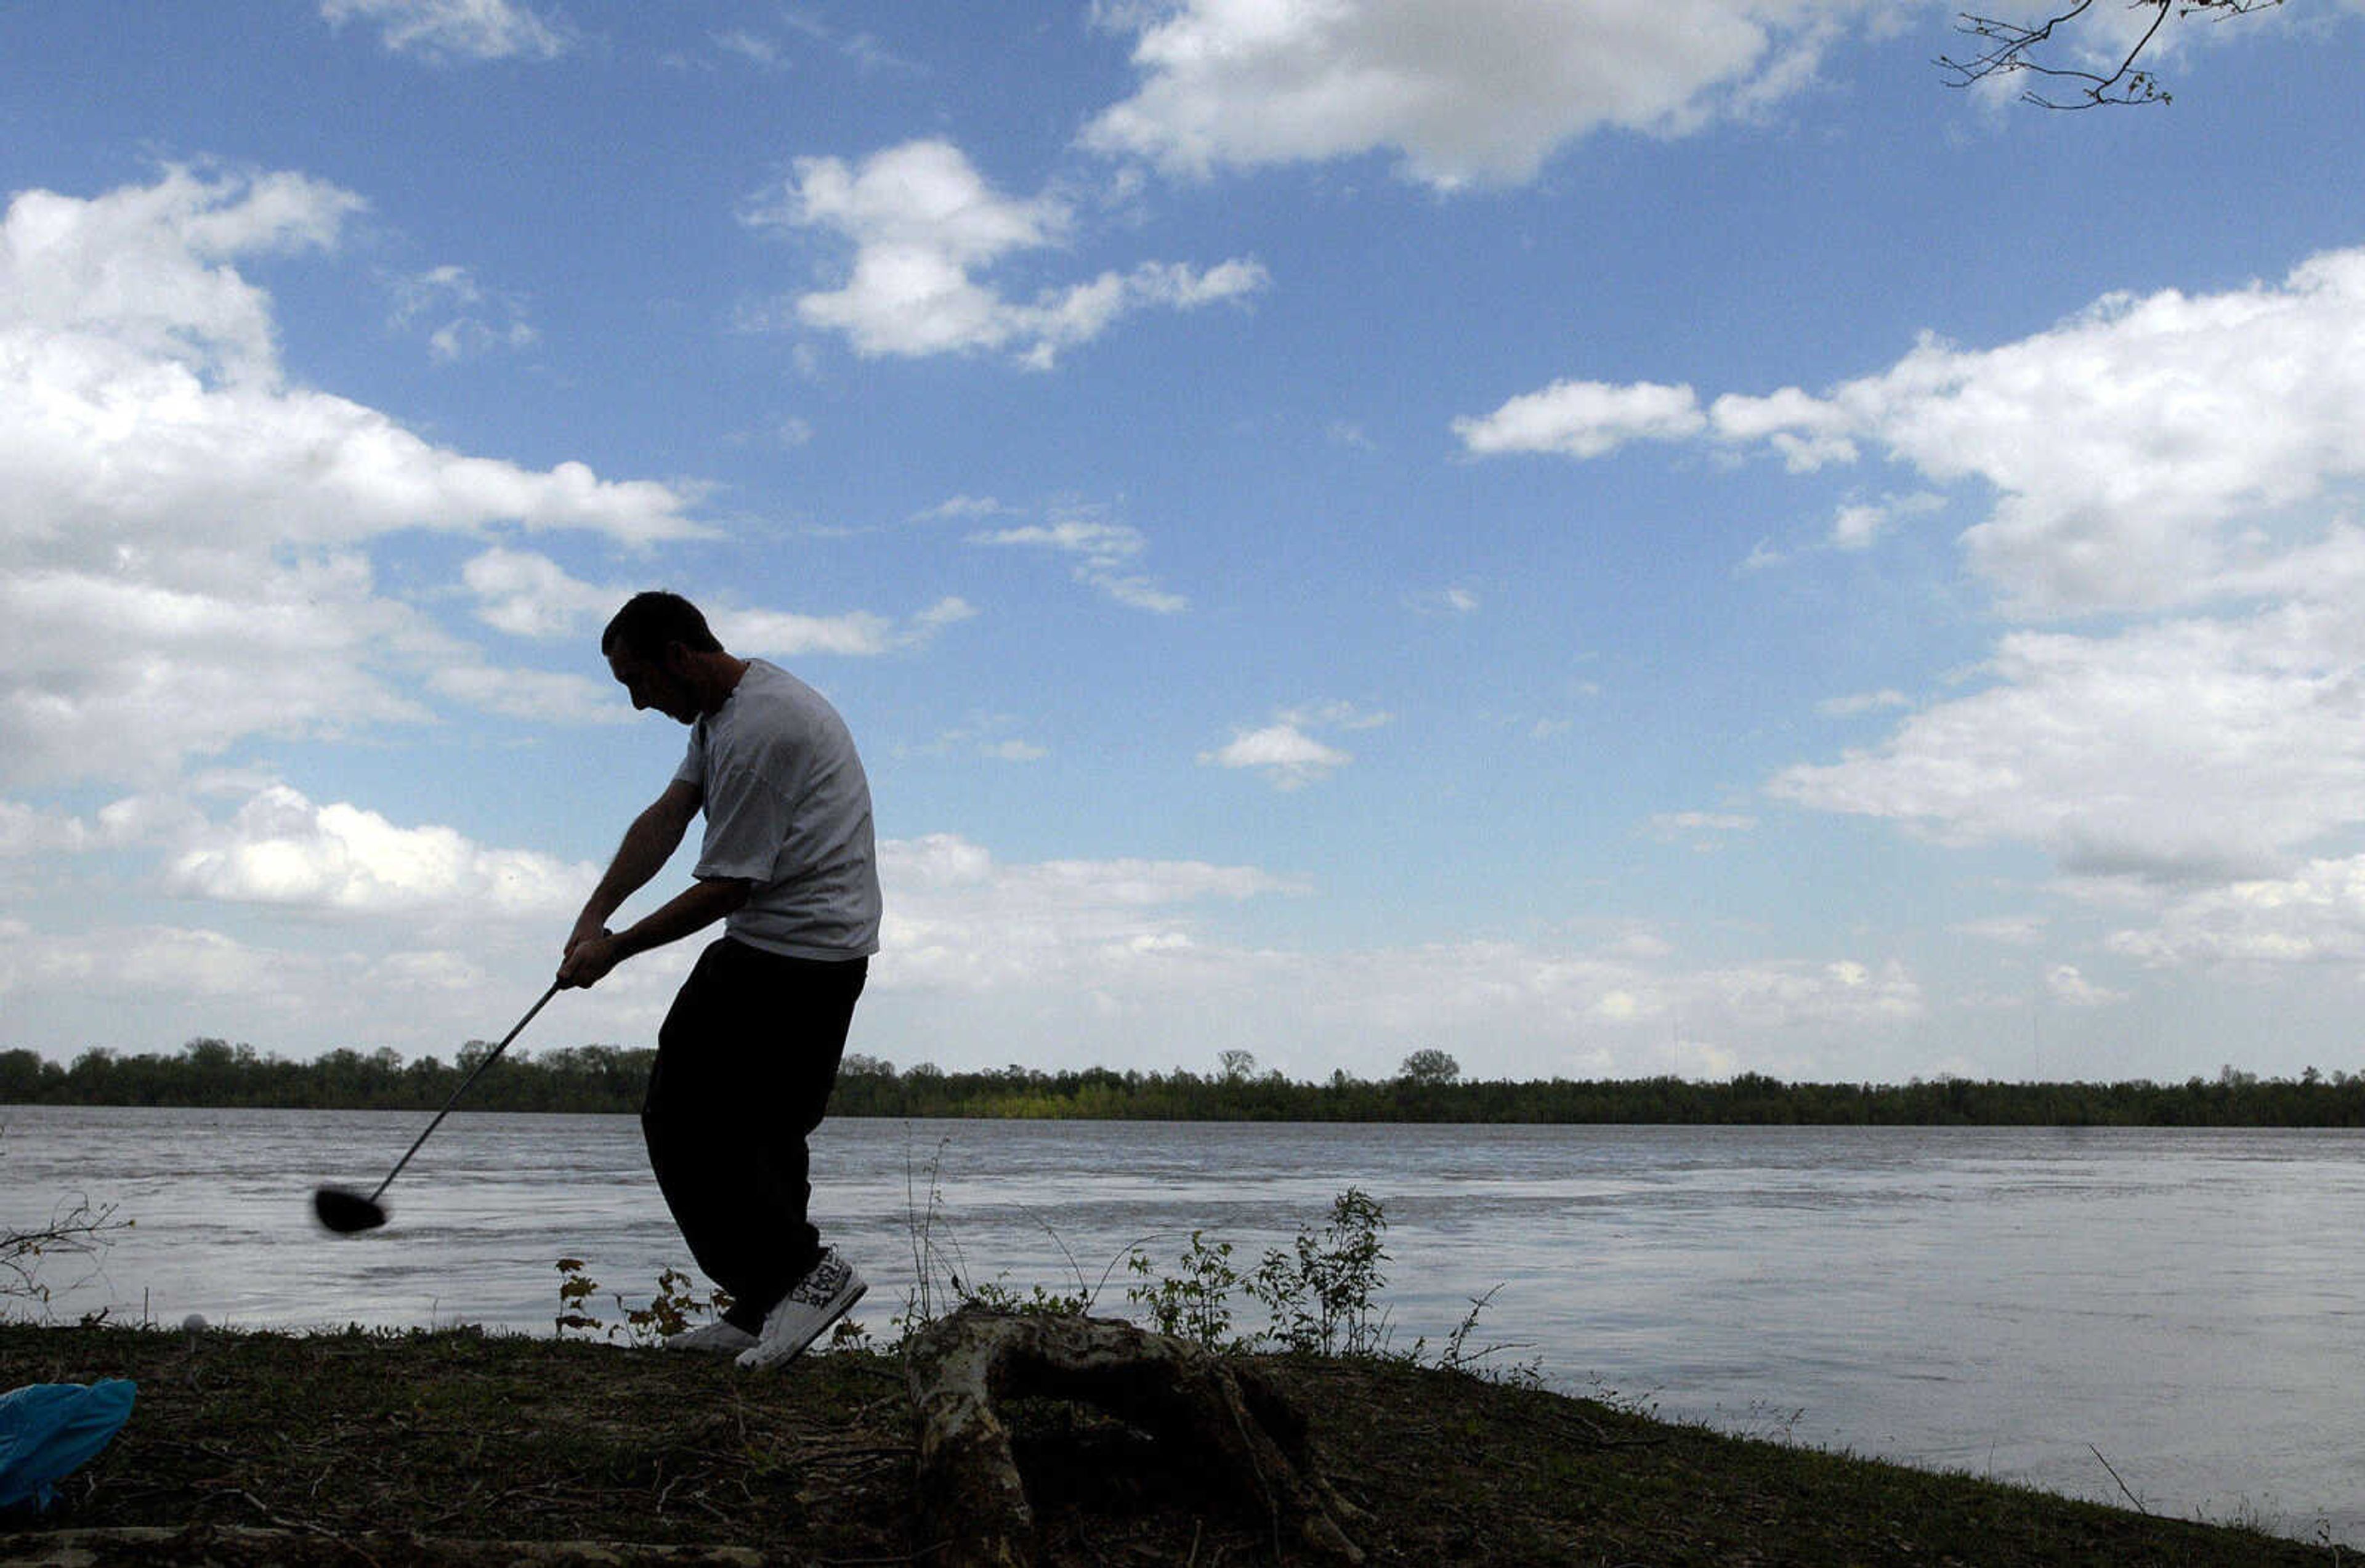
<point>748,1055</point>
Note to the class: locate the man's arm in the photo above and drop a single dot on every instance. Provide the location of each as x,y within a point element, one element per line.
<point>706,900</point>
<point>648,843</point>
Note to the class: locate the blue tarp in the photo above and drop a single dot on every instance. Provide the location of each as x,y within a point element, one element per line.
<point>49,1430</point>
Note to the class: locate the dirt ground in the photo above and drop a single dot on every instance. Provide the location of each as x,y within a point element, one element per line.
<point>463,1447</point>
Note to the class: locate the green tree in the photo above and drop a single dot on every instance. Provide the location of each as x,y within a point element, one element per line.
<point>1430,1068</point>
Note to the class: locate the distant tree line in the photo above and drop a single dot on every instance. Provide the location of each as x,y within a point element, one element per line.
<point>1427,1088</point>
<point>215,1073</point>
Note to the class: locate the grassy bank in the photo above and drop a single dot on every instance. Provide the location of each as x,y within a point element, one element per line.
<point>352,1448</point>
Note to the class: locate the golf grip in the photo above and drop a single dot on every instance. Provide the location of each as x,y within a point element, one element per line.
<point>490,1058</point>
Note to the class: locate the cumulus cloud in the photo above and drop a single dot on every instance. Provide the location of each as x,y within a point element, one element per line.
<point>1861,524</point>
<point>536,696</point>
<point>1456,599</point>
<point>1857,702</point>
<point>775,633</point>
<point>176,962</point>
<point>1285,753</point>
<point>960,918</point>
<point>529,595</point>
<point>2182,462</point>
<point>106,679</point>
<point>2191,750</point>
<point>453,29</point>
<point>2007,930</point>
<point>1478,92</point>
<point>2130,450</point>
<point>459,316</point>
<point>1105,554</point>
<point>1051,953</point>
<point>282,849</point>
<point>1584,419</point>
<point>183,559</point>
<point>2313,915</point>
<point>2065,983</point>
<point>923,225</point>
<point>27,830</point>
<point>143,404</point>
<point>1700,830</point>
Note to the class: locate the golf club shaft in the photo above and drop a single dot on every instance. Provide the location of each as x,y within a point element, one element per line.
<point>490,1058</point>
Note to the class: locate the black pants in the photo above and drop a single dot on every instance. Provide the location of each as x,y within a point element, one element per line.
<point>746,1062</point>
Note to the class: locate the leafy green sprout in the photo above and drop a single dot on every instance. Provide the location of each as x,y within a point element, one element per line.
<point>1321,1294</point>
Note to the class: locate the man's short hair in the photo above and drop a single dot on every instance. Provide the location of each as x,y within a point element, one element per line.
<point>652,621</point>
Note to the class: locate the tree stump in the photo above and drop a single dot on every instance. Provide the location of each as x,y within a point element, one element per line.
<point>970,1495</point>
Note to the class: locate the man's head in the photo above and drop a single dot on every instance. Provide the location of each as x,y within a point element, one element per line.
<point>651,621</point>
<point>660,647</point>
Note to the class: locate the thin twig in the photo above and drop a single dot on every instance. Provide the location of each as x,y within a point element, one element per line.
<point>2131,1497</point>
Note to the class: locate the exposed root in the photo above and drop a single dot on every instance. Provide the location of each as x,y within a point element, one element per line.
<point>1221,1414</point>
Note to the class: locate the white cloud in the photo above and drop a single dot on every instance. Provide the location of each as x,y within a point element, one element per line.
<point>785,634</point>
<point>541,697</point>
<point>988,735</point>
<point>142,406</point>
<point>1584,419</point>
<point>1054,953</point>
<point>460,317</point>
<point>108,679</point>
<point>453,29</point>
<point>1105,554</point>
<point>136,819</point>
<point>176,962</point>
<point>2141,454</point>
<point>144,270</point>
<point>1859,525</point>
<point>182,557</point>
<point>959,919</point>
<point>2066,984</point>
<point>2007,930</point>
<point>2313,915</point>
<point>2190,749</point>
<point>1283,752</point>
<point>1863,702</point>
<point>1478,92</point>
<point>924,223</point>
<point>527,595</point>
<point>2182,461</point>
<point>754,48</point>
<point>1335,716</point>
<point>1456,599</point>
<point>1700,830</point>
<point>964,507</point>
<point>281,848</point>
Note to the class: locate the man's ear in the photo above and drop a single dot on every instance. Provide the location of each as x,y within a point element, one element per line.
<point>676,659</point>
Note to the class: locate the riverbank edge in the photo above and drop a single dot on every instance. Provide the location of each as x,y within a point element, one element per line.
<point>453,1445</point>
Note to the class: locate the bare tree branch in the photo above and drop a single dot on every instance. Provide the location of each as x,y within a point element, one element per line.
<point>2008,48</point>
<point>80,1229</point>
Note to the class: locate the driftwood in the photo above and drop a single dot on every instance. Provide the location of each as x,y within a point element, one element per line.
<point>1223,1413</point>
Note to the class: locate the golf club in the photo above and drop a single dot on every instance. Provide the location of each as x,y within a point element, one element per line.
<point>345,1211</point>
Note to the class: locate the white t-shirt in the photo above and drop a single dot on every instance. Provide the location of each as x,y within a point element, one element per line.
<point>787,807</point>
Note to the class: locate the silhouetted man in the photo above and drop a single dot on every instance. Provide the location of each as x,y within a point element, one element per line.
<point>749,1052</point>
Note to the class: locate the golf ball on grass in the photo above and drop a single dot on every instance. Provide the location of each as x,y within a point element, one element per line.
<point>194,1323</point>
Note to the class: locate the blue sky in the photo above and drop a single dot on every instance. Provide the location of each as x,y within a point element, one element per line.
<point>1609,540</point>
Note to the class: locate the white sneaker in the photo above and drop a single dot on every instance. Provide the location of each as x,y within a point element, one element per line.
<point>812,1303</point>
<point>715,1339</point>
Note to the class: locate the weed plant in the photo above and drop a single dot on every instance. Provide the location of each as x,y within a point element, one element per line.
<point>1321,1294</point>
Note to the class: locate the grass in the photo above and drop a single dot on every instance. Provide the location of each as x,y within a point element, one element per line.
<point>375,1447</point>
